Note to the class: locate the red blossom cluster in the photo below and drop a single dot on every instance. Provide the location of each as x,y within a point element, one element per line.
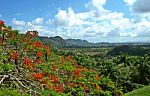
<point>47,47</point>
<point>27,62</point>
<point>77,72</point>
<point>38,76</point>
<point>37,44</point>
<point>57,88</point>
<point>60,88</point>
<point>14,56</point>
<point>39,54</point>
<point>2,22</point>
<point>54,79</point>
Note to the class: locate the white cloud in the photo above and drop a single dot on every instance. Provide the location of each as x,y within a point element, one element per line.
<point>49,21</point>
<point>91,26</point>
<point>97,23</point>
<point>142,28</point>
<point>38,21</point>
<point>18,22</point>
<point>36,24</point>
<point>64,18</point>
<point>129,2</point>
<point>96,5</point>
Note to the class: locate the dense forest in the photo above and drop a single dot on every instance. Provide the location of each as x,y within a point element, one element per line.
<point>30,67</point>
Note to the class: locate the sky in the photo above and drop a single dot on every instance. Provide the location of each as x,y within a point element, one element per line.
<point>91,20</point>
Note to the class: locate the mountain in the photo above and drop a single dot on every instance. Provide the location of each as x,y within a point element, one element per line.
<point>54,41</point>
<point>58,41</point>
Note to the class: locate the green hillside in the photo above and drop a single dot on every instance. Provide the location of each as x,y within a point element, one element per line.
<point>145,91</point>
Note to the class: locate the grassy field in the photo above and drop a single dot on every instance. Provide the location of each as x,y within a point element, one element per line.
<point>145,91</point>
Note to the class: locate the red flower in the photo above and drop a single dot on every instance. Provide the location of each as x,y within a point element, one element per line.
<point>51,77</point>
<point>77,72</point>
<point>60,88</point>
<point>38,76</point>
<point>14,56</point>
<point>54,79</point>
<point>27,62</point>
<point>2,22</point>
<point>37,44</point>
<point>39,54</point>
<point>46,47</point>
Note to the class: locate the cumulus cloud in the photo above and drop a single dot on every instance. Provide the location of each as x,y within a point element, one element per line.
<point>141,6</point>
<point>18,22</point>
<point>142,28</point>
<point>96,5</point>
<point>36,24</point>
<point>38,21</point>
<point>104,25</point>
<point>129,2</point>
<point>50,21</point>
<point>64,18</point>
<point>95,24</point>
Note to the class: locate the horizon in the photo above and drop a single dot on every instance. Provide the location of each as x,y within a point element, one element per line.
<point>95,42</point>
<point>91,20</point>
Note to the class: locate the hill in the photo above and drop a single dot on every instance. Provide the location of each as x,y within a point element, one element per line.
<point>130,50</point>
<point>30,68</point>
<point>145,91</point>
<point>58,41</point>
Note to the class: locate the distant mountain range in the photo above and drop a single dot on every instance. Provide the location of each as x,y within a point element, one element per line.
<point>58,41</point>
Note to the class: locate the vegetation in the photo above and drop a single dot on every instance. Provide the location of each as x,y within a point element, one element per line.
<point>130,50</point>
<point>29,67</point>
<point>140,92</point>
<point>129,72</point>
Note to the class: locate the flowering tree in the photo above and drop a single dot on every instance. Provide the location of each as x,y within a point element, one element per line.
<point>19,54</point>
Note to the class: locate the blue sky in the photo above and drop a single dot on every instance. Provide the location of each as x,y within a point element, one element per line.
<point>92,20</point>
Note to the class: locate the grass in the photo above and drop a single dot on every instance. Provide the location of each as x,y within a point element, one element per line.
<point>144,91</point>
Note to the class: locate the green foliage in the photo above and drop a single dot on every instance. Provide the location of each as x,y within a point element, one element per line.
<point>6,67</point>
<point>130,50</point>
<point>145,91</point>
<point>11,92</point>
<point>126,71</point>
